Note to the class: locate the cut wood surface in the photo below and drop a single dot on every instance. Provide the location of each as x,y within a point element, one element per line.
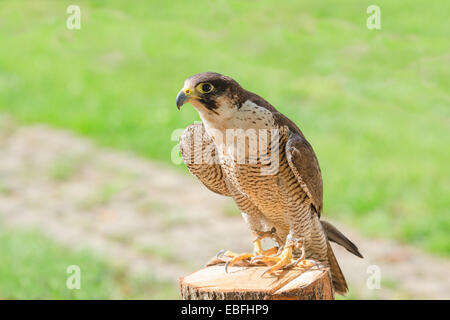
<point>246,283</point>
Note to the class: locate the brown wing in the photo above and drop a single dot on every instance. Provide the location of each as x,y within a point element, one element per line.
<point>304,164</point>
<point>300,154</point>
<point>199,155</point>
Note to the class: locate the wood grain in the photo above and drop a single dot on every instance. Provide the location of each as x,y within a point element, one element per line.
<point>246,283</point>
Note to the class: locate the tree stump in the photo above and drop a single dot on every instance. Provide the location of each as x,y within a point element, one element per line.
<point>246,283</point>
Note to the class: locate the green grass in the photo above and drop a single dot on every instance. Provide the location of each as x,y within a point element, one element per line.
<point>374,104</point>
<point>34,267</point>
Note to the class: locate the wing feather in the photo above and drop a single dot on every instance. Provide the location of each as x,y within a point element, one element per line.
<point>199,155</point>
<point>304,164</point>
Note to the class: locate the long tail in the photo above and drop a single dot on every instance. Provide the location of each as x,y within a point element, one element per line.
<point>333,234</point>
<point>336,236</point>
<point>339,283</point>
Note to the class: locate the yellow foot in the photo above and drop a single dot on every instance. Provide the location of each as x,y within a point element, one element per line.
<point>247,258</point>
<point>235,258</point>
<point>285,260</point>
<point>244,258</point>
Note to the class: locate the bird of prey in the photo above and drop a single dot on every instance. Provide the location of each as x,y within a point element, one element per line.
<point>247,150</point>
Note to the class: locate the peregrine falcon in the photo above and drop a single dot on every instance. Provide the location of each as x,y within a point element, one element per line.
<point>247,150</point>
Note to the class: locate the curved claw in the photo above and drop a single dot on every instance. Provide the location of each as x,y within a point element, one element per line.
<point>282,262</point>
<point>265,271</point>
<point>292,264</point>
<point>255,259</point>
<point>226,266</point>
<point>296,262</point>
<point>220,254</point>
<point>237,258</point>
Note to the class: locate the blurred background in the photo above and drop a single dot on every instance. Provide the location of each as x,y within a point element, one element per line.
<point>88,127</point>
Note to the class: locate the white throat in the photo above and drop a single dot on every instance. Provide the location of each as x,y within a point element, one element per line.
<point>230,120</point>
<point>248,116</point>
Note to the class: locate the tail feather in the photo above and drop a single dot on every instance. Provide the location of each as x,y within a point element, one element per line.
<point>336,236</point>
<point>337,277</point>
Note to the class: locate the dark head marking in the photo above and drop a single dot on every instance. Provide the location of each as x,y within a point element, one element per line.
<point>210,86</point>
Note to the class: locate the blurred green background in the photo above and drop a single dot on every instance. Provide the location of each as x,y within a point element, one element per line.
<point>375,104</point>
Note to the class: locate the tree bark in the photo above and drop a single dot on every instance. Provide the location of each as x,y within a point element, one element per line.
<point>246,283</point>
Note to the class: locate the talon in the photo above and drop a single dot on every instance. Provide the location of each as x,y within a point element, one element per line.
<point>296,262</point>
<point>276,258</point>
<point>265,271</point>
<point>220,254</point>
<point>237,258</point>
<point>226,266</point>
<point>305,263</point>
<point>283,261</point>
<point>259,255</point>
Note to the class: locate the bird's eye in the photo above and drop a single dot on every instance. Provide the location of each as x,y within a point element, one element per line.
<point>205,87</point>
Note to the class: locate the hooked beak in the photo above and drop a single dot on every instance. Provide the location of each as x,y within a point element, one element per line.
<point>184,96</point>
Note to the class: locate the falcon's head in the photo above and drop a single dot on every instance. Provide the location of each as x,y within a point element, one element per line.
<point>211,94</point>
